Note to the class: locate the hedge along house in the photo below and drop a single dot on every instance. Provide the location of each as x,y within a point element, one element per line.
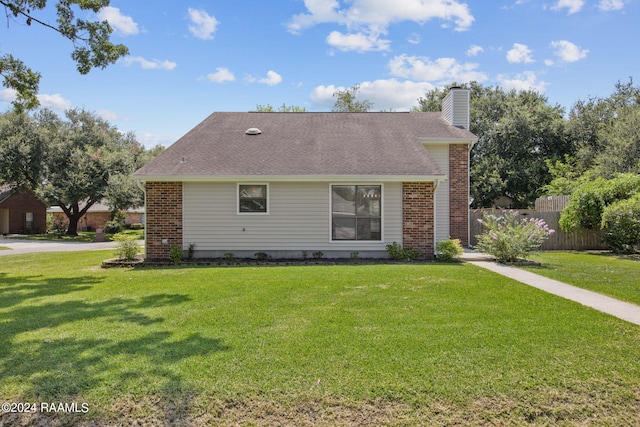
<point>293,183</point>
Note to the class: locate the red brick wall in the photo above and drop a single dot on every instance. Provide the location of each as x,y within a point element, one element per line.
<point>459,192</point>
<point>97,219</point>
<point>21,203</point>
<point>417,217</point>
<point>164,218</point>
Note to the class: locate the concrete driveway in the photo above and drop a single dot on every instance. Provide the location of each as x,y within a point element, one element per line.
<point>28,246</point>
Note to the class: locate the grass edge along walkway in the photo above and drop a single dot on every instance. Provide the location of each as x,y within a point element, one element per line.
<point>620,309</point>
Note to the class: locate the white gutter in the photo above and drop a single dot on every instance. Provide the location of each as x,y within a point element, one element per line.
<point>288,178</point>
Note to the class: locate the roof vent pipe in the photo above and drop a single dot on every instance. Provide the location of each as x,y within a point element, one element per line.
<point>253,131</point>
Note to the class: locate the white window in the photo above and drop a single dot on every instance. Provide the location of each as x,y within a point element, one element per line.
<point>253,198</point>
<point>356,212</point>
<point>29,222</point>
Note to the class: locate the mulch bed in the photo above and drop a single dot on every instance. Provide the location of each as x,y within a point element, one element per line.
<point>244,262</point>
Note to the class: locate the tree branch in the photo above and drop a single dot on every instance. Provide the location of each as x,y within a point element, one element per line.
<point>17,11</point>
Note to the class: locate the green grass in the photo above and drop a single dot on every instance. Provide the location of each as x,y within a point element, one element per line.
<point>83,236</point>
<point>307,345</point>
<point>618,277</point>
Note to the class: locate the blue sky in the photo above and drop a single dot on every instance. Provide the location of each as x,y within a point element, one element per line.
<point>191,58</point>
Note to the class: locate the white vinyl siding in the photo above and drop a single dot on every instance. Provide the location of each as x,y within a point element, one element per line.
<point>455,107</point>
<point>440,154</point>
<point>299,219</point>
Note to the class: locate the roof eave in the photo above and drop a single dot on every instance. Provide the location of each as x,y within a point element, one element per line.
<point>290,178</point>
<point>430,140</point>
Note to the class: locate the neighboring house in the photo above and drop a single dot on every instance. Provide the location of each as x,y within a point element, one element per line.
<point>336,183</point>
<point>97,216</point>
<point>21,212</point>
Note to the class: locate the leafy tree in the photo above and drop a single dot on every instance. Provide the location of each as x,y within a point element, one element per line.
<point>620,151</point>
<point>517,132</point>
<point>566,176</point>
<point>122,191</point>
<point>23,148</point>
<point>596,123</point>
<point>70,163</point>
<point>90,39</point>
<point>346,101</point>
<point>284,108</point>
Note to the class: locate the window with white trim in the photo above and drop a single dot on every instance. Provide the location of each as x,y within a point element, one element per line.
<point>253,198</point>
<point>356,212</point>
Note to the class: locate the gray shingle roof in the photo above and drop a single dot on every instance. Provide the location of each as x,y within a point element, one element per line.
<point>5,191</point>
<point>305,144</point>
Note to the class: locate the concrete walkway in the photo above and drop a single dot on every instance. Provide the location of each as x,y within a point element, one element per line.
<point>27,246</point>
<point>620,309</point>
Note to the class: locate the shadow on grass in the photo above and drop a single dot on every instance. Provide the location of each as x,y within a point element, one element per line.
<point>17,290</point>
<point>69,359</point>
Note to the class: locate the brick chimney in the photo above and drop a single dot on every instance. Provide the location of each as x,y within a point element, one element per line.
<point>455,107</point>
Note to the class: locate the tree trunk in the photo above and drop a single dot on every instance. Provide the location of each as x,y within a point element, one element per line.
<point>72,230</point>
<point>73,214</point>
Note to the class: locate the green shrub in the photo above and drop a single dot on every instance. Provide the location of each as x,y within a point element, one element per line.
<point>136,226</point>
<point>127,247</point>
<point>228,256</point>
<point>112,227</point>
<point>262,256</point>
<point>449,250</point>
<point>318,255</point>
<point>397,252</point>
<point>590,199</point>
<point>621,220</point>
<point>176,253</point>
<point>191,251</point>
<point>510,238</point>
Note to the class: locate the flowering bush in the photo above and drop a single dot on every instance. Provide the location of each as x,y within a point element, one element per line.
<point>509,237</point>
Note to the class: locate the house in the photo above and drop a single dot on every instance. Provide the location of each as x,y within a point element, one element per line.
<point>336,183</point>
<point>21,212</point>
<point>97,216</point>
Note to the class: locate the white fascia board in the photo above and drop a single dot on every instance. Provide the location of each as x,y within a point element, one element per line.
<point>291,178</point>
<point>448,141</point>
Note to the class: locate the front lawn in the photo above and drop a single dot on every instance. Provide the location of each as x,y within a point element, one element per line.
<point>367,345</point>
<point>603,272</point>
<point>83,236</point>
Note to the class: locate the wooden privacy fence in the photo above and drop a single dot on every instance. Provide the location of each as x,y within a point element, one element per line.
<point>581,239</point>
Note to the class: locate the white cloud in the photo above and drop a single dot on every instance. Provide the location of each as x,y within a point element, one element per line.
<point>358,42</point>
<point>474,50</point>
<point>110,116</point>
<point>221,75</point>
<point>202,25</point>
<point>414,39</point>
<point>385,94</point>
<point>567,51</point>
<point>150,140</point>
<point>7,95</point>
<point>372,17</point>
<point>421,68</point>
<point>149,65</point>
<point>54,102</point>
<point>122,24</point>
<point>521,82</point>
<point>271,79</point>
<point>572,6</point>
<point>520,53</point>
<point>607,5</point>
